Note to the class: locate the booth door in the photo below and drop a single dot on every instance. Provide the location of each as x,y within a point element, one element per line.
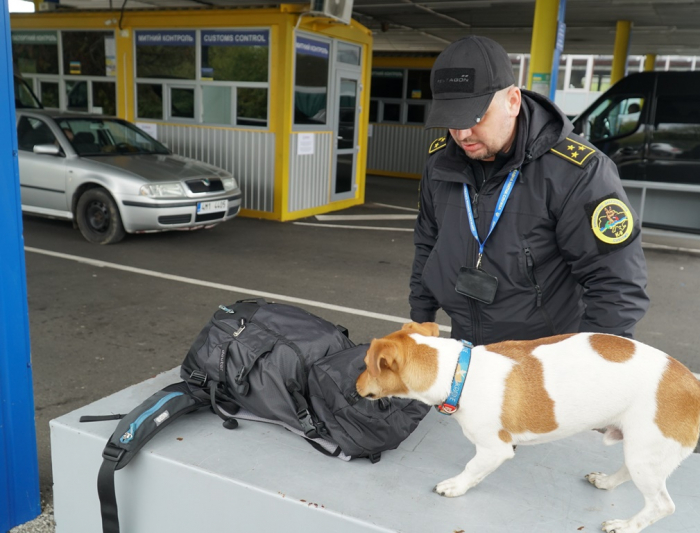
<point>347,86</point>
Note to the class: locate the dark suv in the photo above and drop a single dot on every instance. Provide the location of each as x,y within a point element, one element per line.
<point>649,125</point>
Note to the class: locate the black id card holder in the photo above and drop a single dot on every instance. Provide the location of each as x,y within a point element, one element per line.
<point>477,284</point>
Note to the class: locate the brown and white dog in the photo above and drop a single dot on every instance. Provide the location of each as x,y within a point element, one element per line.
<point>529,392</point>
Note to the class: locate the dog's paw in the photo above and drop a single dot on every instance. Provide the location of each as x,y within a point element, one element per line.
<point>599,480</point>
<point>619,526</point>
<point>451,487</point>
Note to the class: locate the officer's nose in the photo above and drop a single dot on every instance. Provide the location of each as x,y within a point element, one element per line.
<point>461,135</point>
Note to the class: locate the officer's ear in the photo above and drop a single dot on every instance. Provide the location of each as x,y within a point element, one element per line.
<point>513,100</point>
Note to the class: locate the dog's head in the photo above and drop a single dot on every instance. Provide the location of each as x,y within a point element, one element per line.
<point>397,364</point>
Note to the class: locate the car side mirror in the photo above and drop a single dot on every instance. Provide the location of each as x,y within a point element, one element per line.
<point>46,149</point>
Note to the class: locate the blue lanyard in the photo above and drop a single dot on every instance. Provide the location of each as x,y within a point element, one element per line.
<point>500,206</point>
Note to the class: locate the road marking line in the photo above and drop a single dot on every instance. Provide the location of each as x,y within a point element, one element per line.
<point>231,288</point>
<point>323,218</point>
<point>654,246</point>
<point>222,287</point>
<point>346,226</point>
<point>394,207</point>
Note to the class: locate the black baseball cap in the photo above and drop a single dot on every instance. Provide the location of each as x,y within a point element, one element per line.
<point>464,79</point>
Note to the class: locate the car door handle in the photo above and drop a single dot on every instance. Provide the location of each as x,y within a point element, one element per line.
<point>627,150</point>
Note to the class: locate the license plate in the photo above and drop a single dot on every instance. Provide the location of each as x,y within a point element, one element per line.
<point>212,207</point>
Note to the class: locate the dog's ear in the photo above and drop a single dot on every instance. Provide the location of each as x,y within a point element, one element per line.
<point>382,354</point>
<point>429,329</point>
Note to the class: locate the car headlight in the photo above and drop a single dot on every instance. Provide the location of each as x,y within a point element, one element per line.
<point>162,190</point>
<point>229,183</point>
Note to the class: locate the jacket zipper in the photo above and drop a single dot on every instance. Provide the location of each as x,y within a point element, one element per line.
<point>134,426</point>
<point>530,265</point>
<point>473,305</point>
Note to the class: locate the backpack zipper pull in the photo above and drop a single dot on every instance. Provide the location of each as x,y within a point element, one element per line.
<point>240,329</point>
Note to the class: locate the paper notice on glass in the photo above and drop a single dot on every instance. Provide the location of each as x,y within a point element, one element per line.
<point>305,143</point>
<point>148,127</point>
<point>110,56</point>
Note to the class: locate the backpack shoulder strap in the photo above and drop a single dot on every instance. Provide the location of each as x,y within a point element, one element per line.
<point>134,430</point>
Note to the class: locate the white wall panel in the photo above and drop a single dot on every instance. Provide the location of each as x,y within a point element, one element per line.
<point>397,148</point>
<point>248,155</point>
<point>310,175</point>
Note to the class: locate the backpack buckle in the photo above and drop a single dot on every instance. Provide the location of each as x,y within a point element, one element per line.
<point>113,453</point>
<point>198,378</point>
<point>307,424</point>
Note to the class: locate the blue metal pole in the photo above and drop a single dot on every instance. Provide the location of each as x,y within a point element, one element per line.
<point>559,47</point>
<point>19,471</point>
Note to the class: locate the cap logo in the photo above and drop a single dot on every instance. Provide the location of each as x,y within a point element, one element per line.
<point>454,80</point>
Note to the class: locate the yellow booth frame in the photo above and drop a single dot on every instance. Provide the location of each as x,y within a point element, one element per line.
<point>279,180</point>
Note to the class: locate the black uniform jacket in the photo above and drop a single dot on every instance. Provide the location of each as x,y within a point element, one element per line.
<point>556,272</point>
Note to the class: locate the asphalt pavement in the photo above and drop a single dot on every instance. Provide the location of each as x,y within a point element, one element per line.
<point>105,317</point>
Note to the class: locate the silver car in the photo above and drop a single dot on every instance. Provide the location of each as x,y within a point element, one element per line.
<point>111,178</point>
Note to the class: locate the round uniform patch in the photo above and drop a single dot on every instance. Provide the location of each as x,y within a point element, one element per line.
<point>612,221</point>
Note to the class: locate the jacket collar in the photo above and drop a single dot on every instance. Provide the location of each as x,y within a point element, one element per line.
<point>541,126</point>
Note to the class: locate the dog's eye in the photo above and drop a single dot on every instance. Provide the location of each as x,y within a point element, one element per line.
<point>370,395</point>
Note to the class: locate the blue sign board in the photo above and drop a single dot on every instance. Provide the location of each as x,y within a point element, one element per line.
<point>310,47</point>
<point>235,38</point>
<point>165,38</point>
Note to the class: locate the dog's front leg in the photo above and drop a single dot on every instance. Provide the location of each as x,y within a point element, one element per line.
<point>486,460</point>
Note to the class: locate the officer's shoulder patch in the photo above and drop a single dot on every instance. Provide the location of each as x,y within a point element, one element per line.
<point>437,144</point>
<point>576,152</point>
<point>611,222</point>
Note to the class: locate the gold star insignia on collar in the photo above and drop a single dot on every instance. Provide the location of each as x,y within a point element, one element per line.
<point>437,144</point>
<point>573,151</point>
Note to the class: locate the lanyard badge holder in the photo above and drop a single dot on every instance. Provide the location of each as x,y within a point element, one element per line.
<point>474,282</point>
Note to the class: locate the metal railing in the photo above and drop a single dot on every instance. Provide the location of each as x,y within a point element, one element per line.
<point>667,206</point>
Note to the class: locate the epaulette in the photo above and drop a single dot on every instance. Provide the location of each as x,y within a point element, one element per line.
<point>574,152</point>
<point>437,144</point>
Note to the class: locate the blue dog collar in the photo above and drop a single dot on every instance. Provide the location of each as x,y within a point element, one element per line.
<point>449,406</point>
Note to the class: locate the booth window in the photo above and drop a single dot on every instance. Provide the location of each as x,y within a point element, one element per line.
<point>166,54</point>
<point>150,100</point>
<point>602,68</point>
<point>241,59</point>
<point>251,107</point>
<point>311,81</point>
<point>35,52</point>
<point>49,94</point>
<point>81,78</point>
<point>89,54</point>
<point>230,87</point>
<point>84,52</point>
<point>235,55</point>
<point>217,104</point>
<point>348,53</point>
<point>182,102</point>
<point>400,96</point>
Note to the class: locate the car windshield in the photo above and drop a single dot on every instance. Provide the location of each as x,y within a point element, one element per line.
<point>105,136</point>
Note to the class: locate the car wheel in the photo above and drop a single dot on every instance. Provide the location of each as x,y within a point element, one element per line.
<point>98,217</point>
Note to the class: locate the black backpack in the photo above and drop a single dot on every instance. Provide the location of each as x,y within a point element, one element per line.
<point>274,362</point>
